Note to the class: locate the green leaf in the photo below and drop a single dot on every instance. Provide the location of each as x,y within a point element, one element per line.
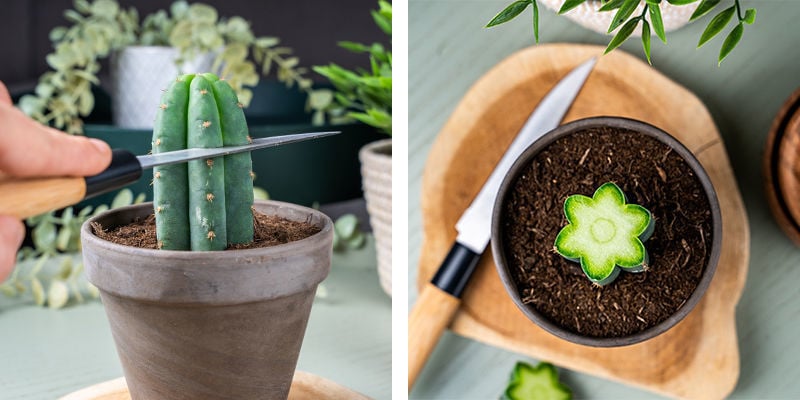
<point>38,292</point>
<point>658,23</point>
<point>535,21</point>
<point>319,99</point>
<point>44,236</point>
<point>750,16</point>
<point>354,47</point>
<point>704,8</point>
<point>731,41</point>
<point>653,2</point>
<point>357,241</point>
<point>383,21</point>
<point>612,5</point>
<point>100,209</point>
<point>122,199</point>
<point>260,193</point>
<point>64,236</point>
<point>569,5</point>
<point>646,40</point>
<point>716,25</point>
<point>681,2</point>
<point>346,225</point>
<point>509,13</point>
<point>622,35</point>
<point>623,14</point>
<point>57,294</point>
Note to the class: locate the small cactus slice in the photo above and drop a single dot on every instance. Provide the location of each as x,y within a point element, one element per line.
<point>605,233</point>
<point>206,204</point>
<point>539,382</point>
<point>170,194</point>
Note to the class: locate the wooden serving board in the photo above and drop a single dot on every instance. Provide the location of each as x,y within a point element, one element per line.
<point>699,357</point>
<point>304,387</point>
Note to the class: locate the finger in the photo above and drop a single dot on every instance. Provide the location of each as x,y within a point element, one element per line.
<point>28,148</point>
<point>11,234</point>
<point>5,97</point>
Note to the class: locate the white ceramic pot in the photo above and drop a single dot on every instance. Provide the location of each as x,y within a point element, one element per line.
<point>376,171</point>
<point>138,75</point>
<point>588,16</point>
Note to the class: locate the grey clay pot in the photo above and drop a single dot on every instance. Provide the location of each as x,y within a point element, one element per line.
<point>524,160</point>
<point>208,325</point>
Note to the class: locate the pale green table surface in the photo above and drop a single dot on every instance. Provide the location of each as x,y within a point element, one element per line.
<point>45,353</point>
<point>450,49</point>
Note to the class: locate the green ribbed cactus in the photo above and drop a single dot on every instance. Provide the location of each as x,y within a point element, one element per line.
<point>202,204</point>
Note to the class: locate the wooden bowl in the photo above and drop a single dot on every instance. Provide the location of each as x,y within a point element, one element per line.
<point>781,168</point>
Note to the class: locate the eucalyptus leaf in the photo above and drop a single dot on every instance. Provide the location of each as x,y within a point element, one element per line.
<point>8,290</point>
<point>731,41</point>
<point>716,25</point>
<point>346,225</point>
<point>38,292</point>
<point>357,241</point>
<point>122,199</point>
<point>509,13</point>
<point>622,35</point>
<point>63,239</point>
<point>57,294</point>
<point>140,198</point>
<point>44,235</point>
<point>704,8</point>
<point>92,290</point>
<point>260,193</point>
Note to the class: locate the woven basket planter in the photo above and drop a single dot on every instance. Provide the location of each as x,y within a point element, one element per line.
<point>588,16</point>
<point>376,170</point>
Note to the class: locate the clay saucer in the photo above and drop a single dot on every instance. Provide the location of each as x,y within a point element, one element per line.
<point>781,168</point>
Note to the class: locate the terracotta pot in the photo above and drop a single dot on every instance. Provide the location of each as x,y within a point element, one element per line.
<point>208,325</point>
<point>376,170</point>
<point>498,248</point>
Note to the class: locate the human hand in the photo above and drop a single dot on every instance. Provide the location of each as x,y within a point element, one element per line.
<point>30,149</point>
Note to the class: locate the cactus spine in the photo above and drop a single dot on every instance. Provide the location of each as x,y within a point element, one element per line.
<point>204,204</point>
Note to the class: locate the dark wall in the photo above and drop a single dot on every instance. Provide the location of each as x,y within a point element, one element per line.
<point>311,27</point>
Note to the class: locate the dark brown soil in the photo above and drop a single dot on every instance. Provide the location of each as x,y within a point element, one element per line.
<point>651,175</point>
<point>269,231</point>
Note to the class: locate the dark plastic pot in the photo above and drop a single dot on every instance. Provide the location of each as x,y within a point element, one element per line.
<point>525,159</point>
<point>208,325</point>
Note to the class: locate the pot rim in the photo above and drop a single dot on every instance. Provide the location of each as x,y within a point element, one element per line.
<point>86,231</point>
<point>614,122</point>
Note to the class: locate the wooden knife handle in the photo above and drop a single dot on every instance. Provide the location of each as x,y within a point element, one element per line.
<point>430,316</point>
<point>23,197</point>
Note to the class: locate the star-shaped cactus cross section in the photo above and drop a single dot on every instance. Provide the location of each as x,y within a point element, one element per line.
<point>605,234</point>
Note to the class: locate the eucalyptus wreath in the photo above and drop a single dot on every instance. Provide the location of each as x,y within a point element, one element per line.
<point>627,20</point>
<point>101,27</point>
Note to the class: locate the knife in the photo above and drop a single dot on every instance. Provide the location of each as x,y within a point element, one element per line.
<point>440,298</point>
<point>23,198</point>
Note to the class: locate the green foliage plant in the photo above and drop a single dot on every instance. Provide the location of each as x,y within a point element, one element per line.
<point>56,240</point>
<point>346,233</point>
<point>625,20</point>
<point>63,94</point>
<point>363,95</point>
<point>203,204</point>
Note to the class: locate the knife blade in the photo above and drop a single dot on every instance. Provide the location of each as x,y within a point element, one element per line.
<point>25,198</point>
<point>439,300</point>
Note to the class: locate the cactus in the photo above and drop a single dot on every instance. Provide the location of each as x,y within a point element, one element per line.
<point>203,204</point>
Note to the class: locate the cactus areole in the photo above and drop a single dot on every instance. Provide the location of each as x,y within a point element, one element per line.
<point>202,205</point>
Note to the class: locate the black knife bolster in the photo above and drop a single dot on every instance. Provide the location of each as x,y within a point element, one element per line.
<point>124,170</point>
<point>456,269</point>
